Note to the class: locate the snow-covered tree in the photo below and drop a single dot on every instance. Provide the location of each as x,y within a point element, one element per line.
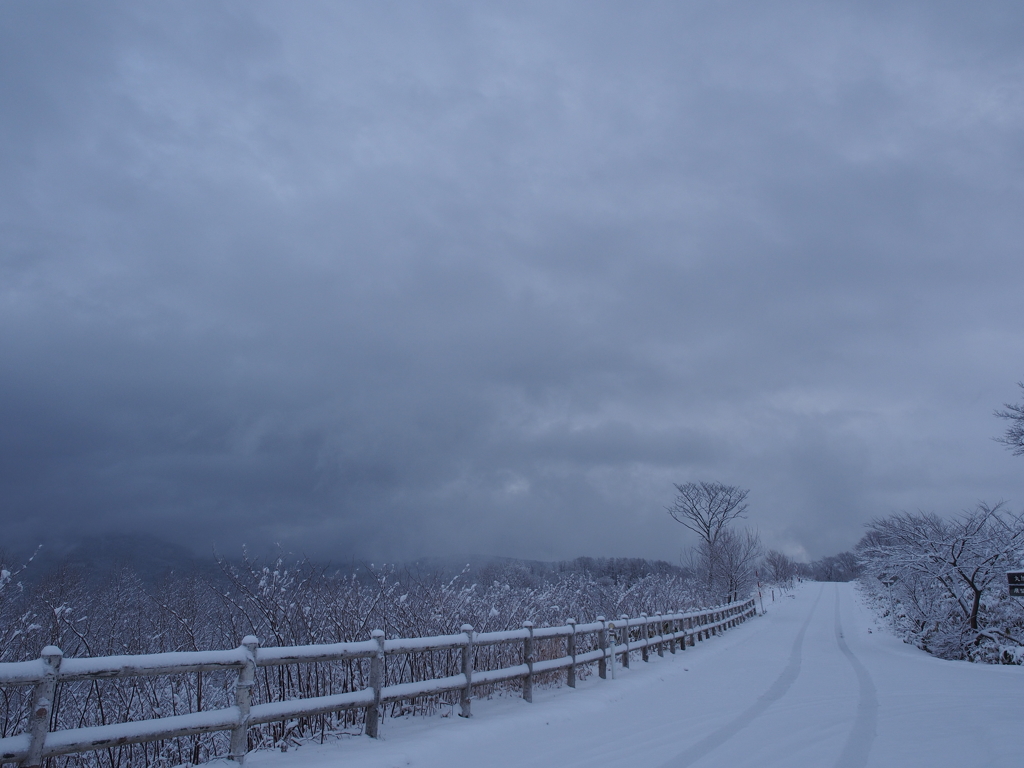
<point>946,577</point>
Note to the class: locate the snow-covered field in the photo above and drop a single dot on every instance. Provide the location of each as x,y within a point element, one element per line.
<point>815,682</point>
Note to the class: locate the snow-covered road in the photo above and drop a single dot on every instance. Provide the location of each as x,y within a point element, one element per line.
<point>813,683</point>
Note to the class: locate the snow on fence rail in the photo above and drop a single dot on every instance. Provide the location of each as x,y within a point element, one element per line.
<point>610,639</point>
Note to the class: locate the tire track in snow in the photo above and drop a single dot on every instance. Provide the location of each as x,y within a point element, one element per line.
<point>778,689</point>
<point>862,735</point>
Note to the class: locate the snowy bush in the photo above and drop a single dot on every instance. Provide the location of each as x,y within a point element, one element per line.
<point>942,582</point>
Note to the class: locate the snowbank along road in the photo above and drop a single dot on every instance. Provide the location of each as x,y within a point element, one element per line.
<point>815,682</point>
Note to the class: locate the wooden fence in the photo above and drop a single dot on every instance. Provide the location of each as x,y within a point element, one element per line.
<point>606,640</point>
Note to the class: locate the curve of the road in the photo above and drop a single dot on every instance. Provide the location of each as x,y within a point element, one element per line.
<point>777,690</point>
<point>857,746</point>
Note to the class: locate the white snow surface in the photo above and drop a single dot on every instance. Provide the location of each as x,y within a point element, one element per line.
<point>814,682</point>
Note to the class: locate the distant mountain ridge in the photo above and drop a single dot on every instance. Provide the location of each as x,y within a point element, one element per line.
<point>150,557</point>
<point>153,559</point>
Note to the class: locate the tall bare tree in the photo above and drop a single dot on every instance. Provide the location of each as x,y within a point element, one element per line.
<point>707,508</point>
<point>722,556</point>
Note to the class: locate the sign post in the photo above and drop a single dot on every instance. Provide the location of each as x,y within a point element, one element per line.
<point>888,579</point>
<point>1015,579</point>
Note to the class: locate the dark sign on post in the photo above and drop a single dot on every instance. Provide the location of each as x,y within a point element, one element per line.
<point>1016,582</point>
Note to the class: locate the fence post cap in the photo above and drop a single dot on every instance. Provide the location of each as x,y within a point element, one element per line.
<point>570,621</point>
<point>624,617</point>
<point>466,628</point>
<point>601,618</point>
<point>50,651</point>
<point>528,625</point>
<point>377,633</point>
<point>250,640</point>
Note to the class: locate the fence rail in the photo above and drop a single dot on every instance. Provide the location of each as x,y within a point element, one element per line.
<point>611,639</point>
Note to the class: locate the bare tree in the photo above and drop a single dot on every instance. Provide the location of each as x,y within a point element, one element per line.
<point>723,556</point>
<point>707,508</point>
<point>781,569</point>
<point>727,566</point>
<point>1014,435</point>
<point>737,557</point>
<point>841,567</point>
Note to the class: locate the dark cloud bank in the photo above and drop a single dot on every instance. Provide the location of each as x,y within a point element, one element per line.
<point>392,279</point>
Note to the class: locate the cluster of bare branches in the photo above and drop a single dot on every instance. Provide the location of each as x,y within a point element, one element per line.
<point>725,558</point>
<point>289,603</point>
<point>779,569</point>
<point>1013,413</point>
<point>942,581</point>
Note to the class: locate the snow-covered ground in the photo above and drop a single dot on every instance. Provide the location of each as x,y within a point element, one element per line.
<point>815,682</point>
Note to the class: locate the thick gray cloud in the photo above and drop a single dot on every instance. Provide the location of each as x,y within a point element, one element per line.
<point>391,280</point>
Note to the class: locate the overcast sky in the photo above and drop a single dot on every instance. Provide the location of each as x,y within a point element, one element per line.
<point>398,279</point>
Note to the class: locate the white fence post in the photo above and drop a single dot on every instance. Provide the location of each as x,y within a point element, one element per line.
<point>661,633</point>
<point>570,650</point>
<point>42,705</point>
<point>465,701</point>
<point>528,660</point>
<point>625,640</point>
<point>612,640</point>
<point>243,700</point>
<point>602,642</point>
<point>372,717</point>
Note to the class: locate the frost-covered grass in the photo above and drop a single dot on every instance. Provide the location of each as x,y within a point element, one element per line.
<point>290,604</point>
